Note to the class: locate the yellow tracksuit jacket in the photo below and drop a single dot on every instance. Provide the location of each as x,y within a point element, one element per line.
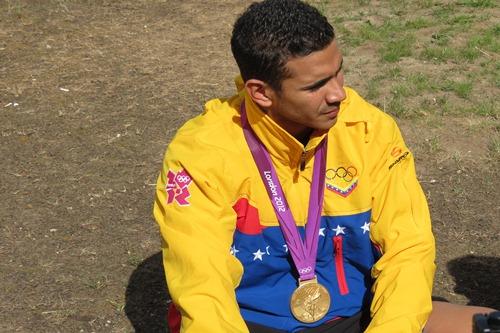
<point>224,256</point>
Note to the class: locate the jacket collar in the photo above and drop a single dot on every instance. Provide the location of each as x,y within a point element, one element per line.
<point>278,142</point>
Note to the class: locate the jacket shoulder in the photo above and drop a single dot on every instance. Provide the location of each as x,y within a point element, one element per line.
<point>382,125</point>
<point>210,134</point>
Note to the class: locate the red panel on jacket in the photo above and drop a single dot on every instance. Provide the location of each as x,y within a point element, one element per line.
<point>248,221</point>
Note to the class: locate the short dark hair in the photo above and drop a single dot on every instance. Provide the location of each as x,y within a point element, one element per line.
<point>271,32</point>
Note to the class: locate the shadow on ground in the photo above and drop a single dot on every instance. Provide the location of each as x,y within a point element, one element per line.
<point>477,279</point>
<point>146,298</point>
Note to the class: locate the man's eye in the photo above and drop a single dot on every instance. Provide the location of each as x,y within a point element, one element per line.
<point>316,88</point>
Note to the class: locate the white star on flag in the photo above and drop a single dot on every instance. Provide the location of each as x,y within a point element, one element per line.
<point>233,250</point>
<point>322,232</point>
<point>366,227</point>
<point>258,255</point>
<point>286,247</point>
<point>339,230</point>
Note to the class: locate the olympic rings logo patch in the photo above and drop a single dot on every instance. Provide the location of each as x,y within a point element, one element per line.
<point>342,180</point>
<point>346,174</point>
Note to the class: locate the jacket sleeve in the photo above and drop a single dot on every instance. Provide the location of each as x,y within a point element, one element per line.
<point>401,227</point>
<point>197,227</point>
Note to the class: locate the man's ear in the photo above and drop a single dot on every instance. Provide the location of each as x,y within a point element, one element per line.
<point>260,93</point>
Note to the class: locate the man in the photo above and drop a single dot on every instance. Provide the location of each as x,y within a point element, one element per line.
<point>294,206</point>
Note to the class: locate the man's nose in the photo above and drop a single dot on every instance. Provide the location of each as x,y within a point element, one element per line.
<point>335,92</point>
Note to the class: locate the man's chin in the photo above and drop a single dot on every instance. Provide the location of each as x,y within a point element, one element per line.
<point>325,126</point>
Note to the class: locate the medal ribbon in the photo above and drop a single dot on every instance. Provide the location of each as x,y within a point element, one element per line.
<point>303,255</point>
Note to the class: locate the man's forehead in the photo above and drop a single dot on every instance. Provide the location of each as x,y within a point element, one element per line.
<point>316,64</point>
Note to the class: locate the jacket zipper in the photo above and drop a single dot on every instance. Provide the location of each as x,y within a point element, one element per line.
<point>303,161</point>
<point>339,265</point>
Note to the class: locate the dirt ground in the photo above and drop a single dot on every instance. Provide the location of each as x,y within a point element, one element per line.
<point>91,92</point>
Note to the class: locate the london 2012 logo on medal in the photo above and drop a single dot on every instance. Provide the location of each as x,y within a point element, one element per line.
<point>342,180</point>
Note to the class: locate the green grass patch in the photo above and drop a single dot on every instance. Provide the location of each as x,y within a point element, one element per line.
<point>494,148</point>
<point>394,50</point>
<point>418,23</point>
<point>443,12</point>
<point>423,4</point>
<point>487,40</point>
<point>420,82</point>
<point>463,21</point>
<point>496,75</point>
<point>477,3</point>
<point>397,107</point>
<point>444,54</point>
<point>370,32</point>
<point>443,105</point>
<point>367,31</point>
<point>427,106</point>
<point>433,144</point>
<point>439,106</point>
<point>363,2</point>
<point>448,37</point>
<point>468,53</point>
<point>440,38</point>
<point>461,89</point>
<point>484,108</point>
<point>401,90</point>
<point>394,72</point>
<point>348,38</point>
<point>392,33</point>
<point>438,54</point>
<point>373,88</point>
<point>490,69</point>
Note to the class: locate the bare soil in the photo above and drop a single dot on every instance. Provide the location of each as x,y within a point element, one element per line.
<point>91,92</point>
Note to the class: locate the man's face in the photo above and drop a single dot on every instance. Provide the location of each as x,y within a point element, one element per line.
<point>310,98</point>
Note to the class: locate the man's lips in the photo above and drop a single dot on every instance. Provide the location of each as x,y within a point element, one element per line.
<point>332,112</point>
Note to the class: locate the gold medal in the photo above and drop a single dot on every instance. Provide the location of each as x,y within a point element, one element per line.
<point>310,301</point>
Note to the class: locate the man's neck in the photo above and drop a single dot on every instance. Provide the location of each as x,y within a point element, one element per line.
<point>303,137</point>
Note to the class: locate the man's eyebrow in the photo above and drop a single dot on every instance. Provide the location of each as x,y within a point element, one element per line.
<point>322,82</point>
